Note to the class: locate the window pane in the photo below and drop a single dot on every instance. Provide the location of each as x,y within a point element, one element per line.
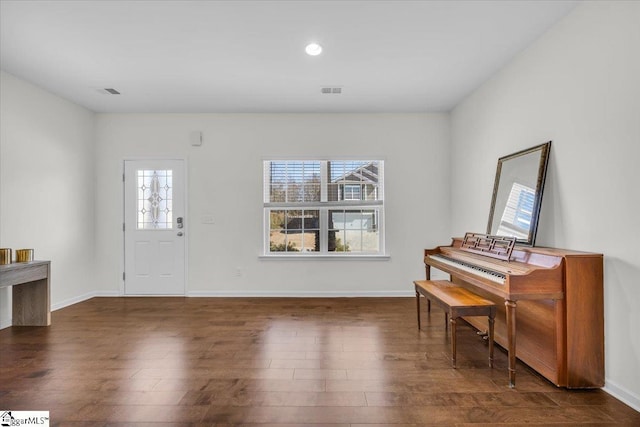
<point>278,182</point>
<point>311,231</point>
<point>311,180</point>
<point>277,232</point>
<point>337,228</point>
<point>294,230</point>
<point>370,192</point>
<point>294,219</point>
<point>303,230</point>
<point>370,232</point>
<point>353,230</point>
<point>155,193</point>
<point>294,181</point>
<point>353,180</point>
<point>277,220</point>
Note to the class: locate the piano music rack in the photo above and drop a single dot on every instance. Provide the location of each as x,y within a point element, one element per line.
<point>499,247</point>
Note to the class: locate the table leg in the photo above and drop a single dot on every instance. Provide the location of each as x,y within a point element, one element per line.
<point>31,306</point>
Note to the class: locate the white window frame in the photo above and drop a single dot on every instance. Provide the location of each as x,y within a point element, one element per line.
<point>324,206</point>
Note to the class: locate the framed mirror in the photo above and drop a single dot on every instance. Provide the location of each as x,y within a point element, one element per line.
<point>517,194</point>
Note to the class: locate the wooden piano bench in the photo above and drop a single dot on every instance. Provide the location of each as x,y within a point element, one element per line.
<point>457,302</point>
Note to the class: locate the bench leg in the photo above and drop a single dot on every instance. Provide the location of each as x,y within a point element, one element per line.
<point>491,321</point>
<point>418,307</point>
<point>453,341</point>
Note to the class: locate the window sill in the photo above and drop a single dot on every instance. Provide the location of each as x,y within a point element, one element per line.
<point>297,257</point>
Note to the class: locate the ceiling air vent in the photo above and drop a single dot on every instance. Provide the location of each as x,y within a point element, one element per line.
<point>112,91</point>
<point>331,90</point>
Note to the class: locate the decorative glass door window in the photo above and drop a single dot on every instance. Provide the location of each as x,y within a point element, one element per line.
<point>155,204</point>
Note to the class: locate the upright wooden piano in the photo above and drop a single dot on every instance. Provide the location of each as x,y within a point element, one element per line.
<point>549,300</point>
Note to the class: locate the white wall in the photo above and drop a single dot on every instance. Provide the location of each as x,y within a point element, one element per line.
<point>225,180</point>
<point>46,186</point>
<point>579,85</point>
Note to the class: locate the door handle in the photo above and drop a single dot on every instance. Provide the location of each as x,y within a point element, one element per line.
<point>179,233</point>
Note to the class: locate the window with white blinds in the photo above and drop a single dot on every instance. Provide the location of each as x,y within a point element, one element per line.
<point>323,207</point>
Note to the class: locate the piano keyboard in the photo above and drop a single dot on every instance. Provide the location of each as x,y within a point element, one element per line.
<point>479,271</point>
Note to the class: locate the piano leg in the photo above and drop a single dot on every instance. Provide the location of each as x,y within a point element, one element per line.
<point>511,338</point>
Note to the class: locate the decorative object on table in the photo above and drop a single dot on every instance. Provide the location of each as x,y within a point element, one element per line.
<point>24,255</point>
<point>5,256</point>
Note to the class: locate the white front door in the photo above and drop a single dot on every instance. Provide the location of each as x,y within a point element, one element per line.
<point>155,227</point>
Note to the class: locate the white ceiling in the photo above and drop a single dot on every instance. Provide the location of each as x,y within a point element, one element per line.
<point>248,56</point>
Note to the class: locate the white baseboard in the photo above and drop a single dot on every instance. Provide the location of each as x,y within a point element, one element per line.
<point>80,298</point>
<point>5,322</point>
<point>292,294</point>
<point>622,394</point>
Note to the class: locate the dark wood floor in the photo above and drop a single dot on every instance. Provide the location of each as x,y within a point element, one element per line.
<point>338,362</point>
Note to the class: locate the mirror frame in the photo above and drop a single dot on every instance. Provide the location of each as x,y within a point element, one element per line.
<point>544,151</point>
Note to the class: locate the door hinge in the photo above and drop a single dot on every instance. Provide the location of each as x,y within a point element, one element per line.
<point>123,226</point>
<point>123,276</point>
<point>123,177</point>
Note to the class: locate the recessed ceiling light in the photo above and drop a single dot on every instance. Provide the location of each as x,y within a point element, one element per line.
<point>313,49</point>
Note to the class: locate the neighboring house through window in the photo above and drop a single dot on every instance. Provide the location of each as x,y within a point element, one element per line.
<point>330,207</point>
